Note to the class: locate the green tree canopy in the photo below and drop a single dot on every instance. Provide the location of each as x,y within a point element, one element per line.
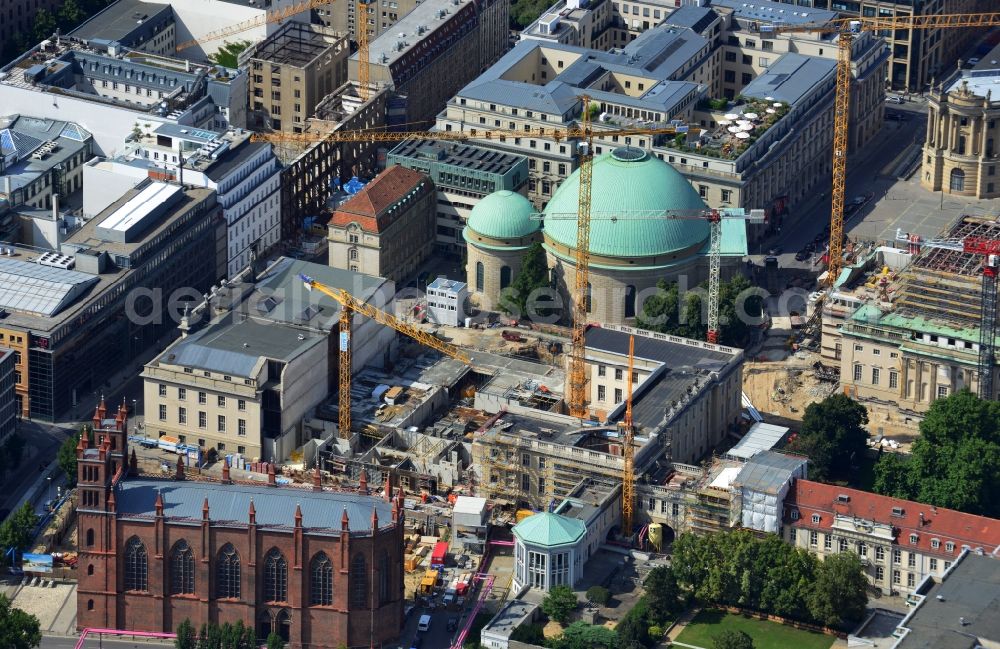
<point>559,604</point>
<point>581,635</point>
<point>955,462</point>
<point>633,629</point>
<point>18,630</point>
<point>833,436</point>
<point>670,312</point>
<point>663,595</point>
<point>228,55</point>
<point>525,12</point>
<point>529,634</point>
<point>765,574</point>
<point>534,274</point>
<point>599,595</point>
<point>186,636</point>
<point>274,641</point>
<point>839,592</point>
<point>732,639</point>
<point>16,531</point>
<point>66,455</point>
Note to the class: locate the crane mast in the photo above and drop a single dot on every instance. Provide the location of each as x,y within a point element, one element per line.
<point>628,449</point>
<point>364,69</point>
<point>581,295</point>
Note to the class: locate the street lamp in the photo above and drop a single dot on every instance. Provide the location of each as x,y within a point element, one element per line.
<point>49,479</point>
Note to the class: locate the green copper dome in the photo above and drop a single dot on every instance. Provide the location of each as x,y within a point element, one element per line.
<point>504,215</point>
<point>549,530</point>
<point>628,179</point>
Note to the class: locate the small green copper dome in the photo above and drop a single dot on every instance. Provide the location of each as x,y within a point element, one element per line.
<point>504,215</point>
<point>549,530</point>
<point>628,180</point>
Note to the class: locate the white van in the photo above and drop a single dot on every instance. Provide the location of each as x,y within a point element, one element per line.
<point>424,624</point>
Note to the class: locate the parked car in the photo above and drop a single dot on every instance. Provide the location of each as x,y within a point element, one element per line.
<point>802,255</point>
<point>452,623</point>
<point>417,642</point>
<point>974,60</point>
<point>894,99</point>
<point>776,250</point>
<point>424,624</point>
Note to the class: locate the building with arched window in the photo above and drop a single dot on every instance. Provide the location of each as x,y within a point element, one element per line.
<point>962,144</point>
<point>321,568</point>
<point>501,228</point>
<point>633,245</point>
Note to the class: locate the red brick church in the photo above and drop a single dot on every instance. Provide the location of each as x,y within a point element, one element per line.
<point>320,567</point>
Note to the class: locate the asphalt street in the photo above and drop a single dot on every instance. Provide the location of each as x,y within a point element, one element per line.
<point>42,441</point>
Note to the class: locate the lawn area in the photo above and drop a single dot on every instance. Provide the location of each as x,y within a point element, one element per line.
<point>766,635</point>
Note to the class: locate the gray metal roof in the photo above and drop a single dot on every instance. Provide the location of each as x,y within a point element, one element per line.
<point>659,54</point>
<point>274,506</point>
<point>123,20</point>
<point>791,78</point>
<point>760,437</point>
<point>235,345</point>
<point>767,471</point>
<point>412,29</point>
<point>21,136</point>
<point>965,614</point>
<point>43,290</point>
<point>771,12</point>
<point>692,17</point>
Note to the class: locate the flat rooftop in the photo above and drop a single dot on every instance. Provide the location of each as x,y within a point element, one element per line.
<point>410,30</point>
<point>684,365</point>
<point>457,154</point>
<point>298,44</point>
<point>146,224</point>
<point>760,437</point>
<point>120,19</point>
<point>511,616</point>
<point>776,13</point>
<point>790,78</point>
<point>958,611</point>
<point>235,345</point>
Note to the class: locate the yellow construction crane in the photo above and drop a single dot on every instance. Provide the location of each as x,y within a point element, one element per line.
<point>846,29</point>
<point>361,30</point>
<point>349,305</point>
<point>577,393</point>
<point>628,448</point>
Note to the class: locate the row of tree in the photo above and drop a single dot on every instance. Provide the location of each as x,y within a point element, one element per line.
<point>226,636</point>
<point>764,574</point>
<point>954,463</point>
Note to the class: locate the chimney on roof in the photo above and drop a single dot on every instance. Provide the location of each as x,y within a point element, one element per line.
<point>922,521</point>
<point>363,482</point>
<point>345,523</point>
<point>204,509</point>
<point>270,474</point>
<point>252,513</point>
<point>388,487</point>
<point>317,478</point>
<point>225,471</point>
<point>158,505</point>
<point>179,475</point>
<point>133,464</point>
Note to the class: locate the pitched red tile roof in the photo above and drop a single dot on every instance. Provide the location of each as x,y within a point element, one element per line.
<point>810,498</point>
<point>369,207</point>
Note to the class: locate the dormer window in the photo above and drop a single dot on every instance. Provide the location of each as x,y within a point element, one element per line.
<point>949,547</point>
<point>795,514</point>
<point>913,539</point>
<point>935,544</point>
<point>815,519</point>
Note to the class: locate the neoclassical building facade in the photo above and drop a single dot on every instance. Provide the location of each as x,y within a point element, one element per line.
<point>960,154</point>
<point>321,568</point>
